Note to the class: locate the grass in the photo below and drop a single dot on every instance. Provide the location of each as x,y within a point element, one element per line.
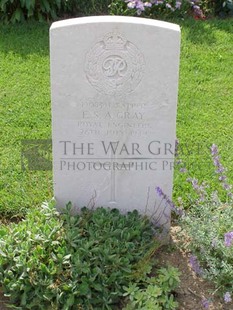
<point>205,98</point>
<point>204,111</point>
<point>25,113</point>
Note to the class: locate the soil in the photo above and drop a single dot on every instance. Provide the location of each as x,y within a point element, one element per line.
<point>192,289</point>
<point>3,301</point>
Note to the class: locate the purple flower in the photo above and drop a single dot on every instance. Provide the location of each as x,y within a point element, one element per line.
<point>200,189</point>
<point>168,6</point>
<point>230,195</point>
<point>195,183</point>
<point>222,178</point>
<point>226,186</point>
<point>147,4</point>
<point>216,160</point>
<point>168,201</point>
<point>227,297</point>
<point>228,239</point>
<point>177,142</point>
<point>140,5</point>
<point>196,7</point>
<point>178,5</point>
<point>183,170</point>
<point>159,191</point>
<point>205,303</point>
<point>131,5</point>
<point>220,169</point>
<point>195,265</point>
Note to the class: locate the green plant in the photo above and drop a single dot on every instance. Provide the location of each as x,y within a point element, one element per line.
<point>150,9</point>
<point>92,7</point>
<point>206,226</point>
<point>208,223</point>
<point>220,8</point>
<point>172,8</point>
<point>20,10</point>
<point>153,293</point>
<point>223,8</point>
<point>158,8</point>
<point>52,261</point>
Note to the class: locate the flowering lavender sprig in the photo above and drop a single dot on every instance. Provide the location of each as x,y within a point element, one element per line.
<point>220,170</point>
<point>228,239</point>
<point>199,189</point>
<point>195,264</point>
<point>227,297</point>
<point>168,201</point>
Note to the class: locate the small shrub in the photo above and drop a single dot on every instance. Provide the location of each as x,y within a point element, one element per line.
<point>19,10</point>
<point>223,8</point>
<point>86,8</point>
<point>208,223</point>
<point>156,8</point>
<point>220,8</point>
<point>53,261</point>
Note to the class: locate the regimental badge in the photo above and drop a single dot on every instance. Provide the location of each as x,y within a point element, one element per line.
<point>114,66</point>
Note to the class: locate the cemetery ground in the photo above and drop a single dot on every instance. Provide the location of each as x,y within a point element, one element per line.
<point>204,117</point>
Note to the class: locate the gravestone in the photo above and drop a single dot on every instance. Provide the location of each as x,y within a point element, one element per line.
<point>114,84</point>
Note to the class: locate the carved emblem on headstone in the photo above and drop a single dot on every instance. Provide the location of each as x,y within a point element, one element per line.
<point>114,65</point>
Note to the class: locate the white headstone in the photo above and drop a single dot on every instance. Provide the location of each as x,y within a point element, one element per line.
<point>114,87</point>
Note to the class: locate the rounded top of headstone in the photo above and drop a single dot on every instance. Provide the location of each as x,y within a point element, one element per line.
<point>115,19</point>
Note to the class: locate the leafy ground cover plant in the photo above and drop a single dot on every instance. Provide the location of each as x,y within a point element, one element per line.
<point>53,261</point>
<point>208,223</point>
<point>153,293</point>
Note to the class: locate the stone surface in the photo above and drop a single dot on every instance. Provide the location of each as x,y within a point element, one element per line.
<point>114,84</point>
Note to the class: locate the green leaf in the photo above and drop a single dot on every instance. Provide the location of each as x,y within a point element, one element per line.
<point>3,254</point>
<point>24,299</point>
<point>30,4</point>
<point>45,6</point>
<point>84,288</point>
<point>17,15</point>
<point>70,301</point>
<point>22,3</point>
